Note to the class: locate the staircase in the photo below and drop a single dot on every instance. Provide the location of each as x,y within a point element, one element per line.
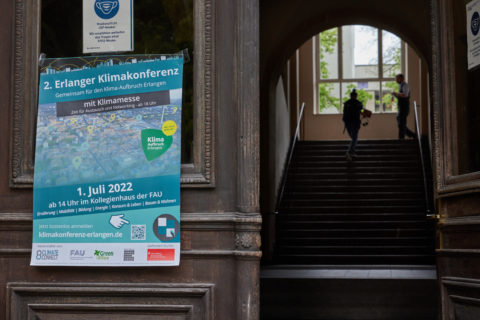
<point>371,210</point>
<point>353,240</point>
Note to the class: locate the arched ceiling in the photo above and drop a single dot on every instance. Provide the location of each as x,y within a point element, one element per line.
<point>286,24</point>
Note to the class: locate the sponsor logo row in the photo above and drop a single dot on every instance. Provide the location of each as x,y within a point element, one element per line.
<point>167,254</point>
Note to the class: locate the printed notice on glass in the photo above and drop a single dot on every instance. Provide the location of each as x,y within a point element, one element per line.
<point>107,163</point>
<point>107,26</point>
<point>473,38</point>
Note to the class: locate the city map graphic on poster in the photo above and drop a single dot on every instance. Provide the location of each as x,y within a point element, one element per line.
<point>107,162</point>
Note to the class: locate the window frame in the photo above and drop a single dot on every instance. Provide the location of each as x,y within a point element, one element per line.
<point>199,173</point>
<point>340,80</point>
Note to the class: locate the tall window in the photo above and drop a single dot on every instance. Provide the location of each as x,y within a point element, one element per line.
<point>357,57</point>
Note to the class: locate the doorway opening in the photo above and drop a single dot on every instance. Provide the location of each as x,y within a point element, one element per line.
<point>321,73</point>
<point>339,226</point>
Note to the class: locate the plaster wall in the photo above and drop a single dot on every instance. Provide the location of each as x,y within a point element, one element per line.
<point>280,135</point>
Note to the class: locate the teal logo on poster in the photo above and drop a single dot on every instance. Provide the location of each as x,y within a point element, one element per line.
<point>106,9</point>
<point>155,143</point>
<point>166,227</point>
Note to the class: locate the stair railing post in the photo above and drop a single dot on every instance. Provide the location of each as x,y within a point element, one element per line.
<point>427,199</point>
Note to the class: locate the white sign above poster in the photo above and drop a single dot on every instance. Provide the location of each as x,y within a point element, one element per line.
<point>473,37</point>
<point>107,26</point>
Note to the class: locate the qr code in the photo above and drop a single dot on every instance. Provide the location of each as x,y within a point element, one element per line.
<point>138,232</point>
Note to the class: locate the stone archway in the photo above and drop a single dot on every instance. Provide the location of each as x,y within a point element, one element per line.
<point>285,25</point>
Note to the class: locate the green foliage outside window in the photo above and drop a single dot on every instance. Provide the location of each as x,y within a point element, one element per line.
<point>388,100</point>
<point>392,66</point>
<point>362,95</point>
<point>392,59</point>
<point>326,99</point>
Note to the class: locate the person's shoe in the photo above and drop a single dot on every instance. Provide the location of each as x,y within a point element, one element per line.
<point>349,156</point>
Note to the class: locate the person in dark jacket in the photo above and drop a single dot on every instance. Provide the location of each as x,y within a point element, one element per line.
<point>403,96</point>
<point>352,109</point>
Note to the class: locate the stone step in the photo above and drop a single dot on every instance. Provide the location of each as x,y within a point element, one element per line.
<point>350,259</point>
<point>353,233</point>
<point>417,216</point>
<point>347,241</point>
<point>354,250</point>
<point>348,292</point>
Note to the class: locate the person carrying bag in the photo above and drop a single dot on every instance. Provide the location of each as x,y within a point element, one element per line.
<point>352,110</point>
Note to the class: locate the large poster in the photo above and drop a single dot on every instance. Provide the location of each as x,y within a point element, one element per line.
<point>107,162</point>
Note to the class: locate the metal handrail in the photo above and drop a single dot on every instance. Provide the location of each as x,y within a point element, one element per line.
<point>427,199</point>
<point>289,160</point>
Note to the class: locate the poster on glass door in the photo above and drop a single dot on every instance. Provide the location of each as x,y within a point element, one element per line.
<point>107,162</point>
